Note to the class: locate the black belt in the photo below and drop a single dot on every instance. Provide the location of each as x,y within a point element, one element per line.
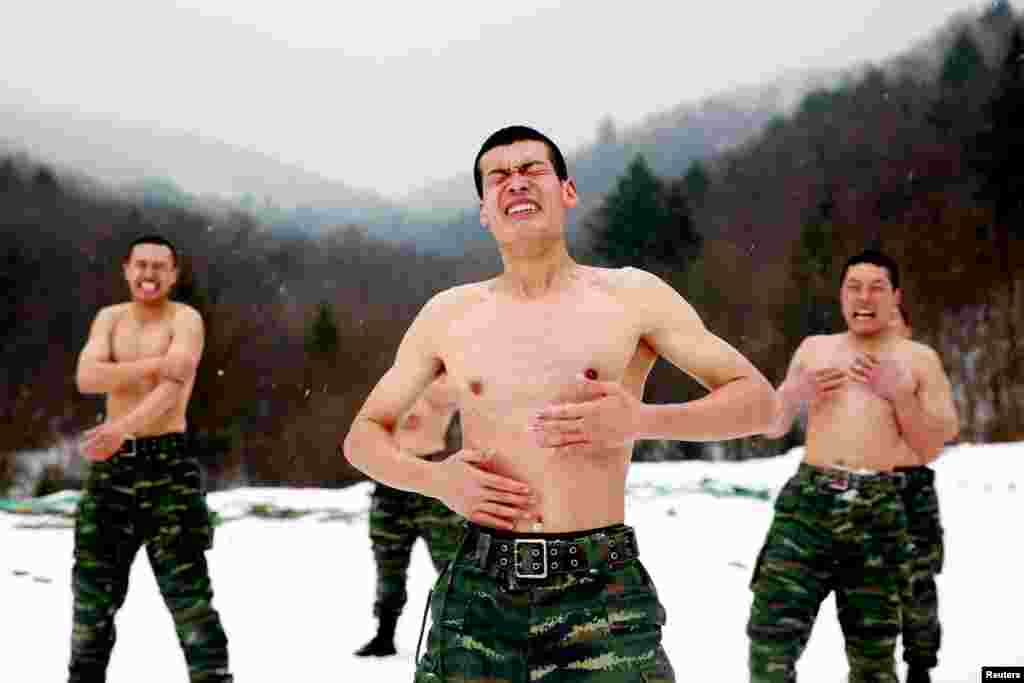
<point>528,557</point>
<point>916,476</point>
<point>835,480</point>
<point>149,445</point>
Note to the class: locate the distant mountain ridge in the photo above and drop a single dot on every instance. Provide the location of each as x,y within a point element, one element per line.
<point>123,154</point>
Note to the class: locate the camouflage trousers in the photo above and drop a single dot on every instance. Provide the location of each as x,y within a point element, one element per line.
<point>601,624</point>
<point>397,519</point>
<point>922,632</point>
<point>152,498</point>
<point>839,532</point>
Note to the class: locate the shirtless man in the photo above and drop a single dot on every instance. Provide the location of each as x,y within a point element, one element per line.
<point>143,487</point>
<point>548,361</point>
<point>398,518</point>
<point>922,631</point>
<point>877,401</point>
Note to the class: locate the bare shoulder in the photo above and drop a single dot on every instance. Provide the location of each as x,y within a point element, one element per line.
<point>451,303</point>
<point>185,313</point>
<point>626,280</point>
<point>922,355</point>
<point>818,348</point>
<point>107,317</point>
<point>639,290</point>
<point>818,342</point>
<point>113,312</point>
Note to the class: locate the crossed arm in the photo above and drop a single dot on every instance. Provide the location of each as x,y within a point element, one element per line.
<point>97,373</point>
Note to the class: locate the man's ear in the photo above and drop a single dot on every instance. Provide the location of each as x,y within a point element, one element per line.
<point>484,220</point>
<point>569,195</point>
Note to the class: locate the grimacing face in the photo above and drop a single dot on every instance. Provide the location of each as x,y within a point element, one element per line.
<point>868,299</point>
<point>150,272</point>
<point>523,196</point>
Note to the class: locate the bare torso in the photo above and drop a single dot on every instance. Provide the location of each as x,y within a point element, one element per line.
<point>854,428</point>
<point>133,339</point>
<point>508,358</point>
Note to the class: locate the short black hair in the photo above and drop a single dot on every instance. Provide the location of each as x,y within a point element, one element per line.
<point>875,258</point>
<point>158,240</point>
<point>510,134</point>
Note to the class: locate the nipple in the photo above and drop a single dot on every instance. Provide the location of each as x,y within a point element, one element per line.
<point>476,387</point>
<point>590,373</point>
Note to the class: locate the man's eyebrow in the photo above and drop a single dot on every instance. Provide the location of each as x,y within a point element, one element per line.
<point>523,165</point>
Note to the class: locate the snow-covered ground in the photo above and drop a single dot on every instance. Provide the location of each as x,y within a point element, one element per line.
<point>295,595</point>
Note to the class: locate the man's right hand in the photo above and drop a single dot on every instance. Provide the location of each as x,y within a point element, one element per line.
<point>467,486</point>
<point>811,385</point>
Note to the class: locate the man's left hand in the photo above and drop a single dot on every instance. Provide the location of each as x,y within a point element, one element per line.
<point>885,377</point>
<point>101,442</point>
<point>605,416</point>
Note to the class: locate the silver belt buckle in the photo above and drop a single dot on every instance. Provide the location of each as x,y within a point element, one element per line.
<point>539,568</point>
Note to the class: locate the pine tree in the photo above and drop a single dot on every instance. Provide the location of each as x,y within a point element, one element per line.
<point>644,222</point>
<point>322,336</point>
<point>963,62</point>
<point>998,155</point>
<point>697,181</point>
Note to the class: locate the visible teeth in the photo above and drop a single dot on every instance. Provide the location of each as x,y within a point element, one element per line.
<point>149,286</point>
<point>521,208</point>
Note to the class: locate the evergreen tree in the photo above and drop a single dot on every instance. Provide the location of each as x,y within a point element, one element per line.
<point>998,155</point>
<point>963,62</point>
<point>644,222</point>
<point>813,311</point>
<point>322,336</point>
<point>697,181</point>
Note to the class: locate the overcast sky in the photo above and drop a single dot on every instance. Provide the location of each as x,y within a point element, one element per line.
<point>389,94</point>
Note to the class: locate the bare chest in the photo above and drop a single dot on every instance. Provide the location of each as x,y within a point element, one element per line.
<point>517,356</point>
<point>131,340</point>
<point>855,403</point>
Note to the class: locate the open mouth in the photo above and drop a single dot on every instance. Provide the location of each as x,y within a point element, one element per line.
<point>864,315</point>
<point>520,209</point>
<point>148,287</point>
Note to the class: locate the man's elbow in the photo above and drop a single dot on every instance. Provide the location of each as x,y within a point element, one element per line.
<point>179,367</point>
<point>351,447</point>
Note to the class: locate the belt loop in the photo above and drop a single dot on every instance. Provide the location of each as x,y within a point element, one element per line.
<point>483,548</point>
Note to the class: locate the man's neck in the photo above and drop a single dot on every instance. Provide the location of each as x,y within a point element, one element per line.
<point>534,273</point>
<point>870,343</point>
<point>147,313</point>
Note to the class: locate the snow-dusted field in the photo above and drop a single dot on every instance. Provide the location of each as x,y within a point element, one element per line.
<point>295,595</point>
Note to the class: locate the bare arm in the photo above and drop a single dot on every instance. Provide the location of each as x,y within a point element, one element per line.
<point>370,444</point>
<point>928,417</point>
<point>741,401</point>
<point>97,372</point>
<point>803,386</point>
<point>461,481</point>
<point>790,398</point>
